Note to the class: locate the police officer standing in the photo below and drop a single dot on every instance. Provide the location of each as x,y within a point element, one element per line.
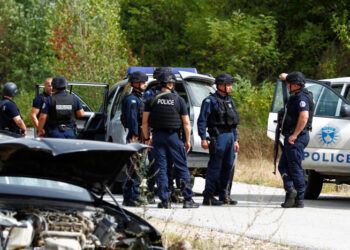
<point>219,114</point>
<point>60,112</point>
<point>10,117</point>
<point>132,109</point>
<point>164,114</point>
<point>39,101</point>
<point>296,124</point>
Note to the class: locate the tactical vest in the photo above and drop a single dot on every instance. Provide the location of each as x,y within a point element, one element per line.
<point>289,122</point>
<point>61,110</point>
<point>7,123</point>
<point>226,116</point>
<point>139,111</point>
<point>164,114</point>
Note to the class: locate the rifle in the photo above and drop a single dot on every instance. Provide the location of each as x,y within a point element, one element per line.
<point>277,139</point>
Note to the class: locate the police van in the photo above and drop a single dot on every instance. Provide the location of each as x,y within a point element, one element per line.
<point>327,156</point>
<point>190,85</point>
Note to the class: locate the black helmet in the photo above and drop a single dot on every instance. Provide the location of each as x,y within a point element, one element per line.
<point>166,77</point>
<point>159,70</point>
<point>137,77</point>
<point>224,78</point>
<point>296,78</point>
<point>10,89</point>
<point>59,82</point>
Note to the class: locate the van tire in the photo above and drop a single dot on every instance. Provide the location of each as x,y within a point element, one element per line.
<point>314,183</point>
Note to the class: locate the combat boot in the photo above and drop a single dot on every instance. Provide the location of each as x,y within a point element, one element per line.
<point>130,203</point>
<point>164,204</point>
<point>190,204</point>
<point>210,200</point>
<point>150,199</point>
<point>299,204</point>
<point>229,201</point>
<point>289,201</point>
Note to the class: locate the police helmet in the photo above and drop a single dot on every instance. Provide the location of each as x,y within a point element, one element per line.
<point>137,77</point>
<point>159,70</point>
<point>59,82</point>
<point>296,78</point>
<point>10,89</point>
<point>166,77</point>
<point>223,79</point>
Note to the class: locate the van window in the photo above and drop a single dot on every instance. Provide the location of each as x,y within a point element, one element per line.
<point>278,104</point>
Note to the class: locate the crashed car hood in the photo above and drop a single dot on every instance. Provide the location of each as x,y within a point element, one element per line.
<point>89,164</point>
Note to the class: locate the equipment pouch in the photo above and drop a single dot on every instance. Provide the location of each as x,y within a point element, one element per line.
<point>212,146</point>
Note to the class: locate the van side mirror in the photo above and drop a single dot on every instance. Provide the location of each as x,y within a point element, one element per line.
<point>345,110</point>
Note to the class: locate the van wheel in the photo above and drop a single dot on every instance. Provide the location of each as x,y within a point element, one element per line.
<point>314,183</point>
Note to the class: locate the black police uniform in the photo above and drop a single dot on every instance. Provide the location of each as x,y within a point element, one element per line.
<point>9,110</point>
<point>289,165</point>
<point>166,110</point>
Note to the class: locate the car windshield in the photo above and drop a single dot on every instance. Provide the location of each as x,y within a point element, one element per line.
<point>42,188</point>
<point>200,90</point>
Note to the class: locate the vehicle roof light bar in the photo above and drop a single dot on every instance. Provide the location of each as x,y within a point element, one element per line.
<point>149,70</point>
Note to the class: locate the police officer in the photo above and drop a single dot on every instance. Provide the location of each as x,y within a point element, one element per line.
<point>132,109</point>
<point>39,101</point>
<point>219,114</point>
<point>60,112</point>
<point>151,172</point>
<point>296,124</point>
<point>165,113</point>
<point>10,117</point>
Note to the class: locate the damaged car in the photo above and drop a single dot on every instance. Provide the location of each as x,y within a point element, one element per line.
<point>52,196</point>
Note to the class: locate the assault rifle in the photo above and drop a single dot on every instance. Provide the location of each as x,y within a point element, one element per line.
<point>277,139</point>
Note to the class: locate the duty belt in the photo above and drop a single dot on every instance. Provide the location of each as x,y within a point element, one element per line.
<point>168,130</point>
<point>225,130</point>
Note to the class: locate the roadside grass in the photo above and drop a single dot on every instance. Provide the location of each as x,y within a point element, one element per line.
<point>255,162</point>
<point>175,234</point>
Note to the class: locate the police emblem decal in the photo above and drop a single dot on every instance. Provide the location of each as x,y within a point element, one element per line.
<point>302,104</point>
<point>328,135</point>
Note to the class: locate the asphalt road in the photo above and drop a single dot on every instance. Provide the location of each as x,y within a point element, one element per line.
<point>322,224</point>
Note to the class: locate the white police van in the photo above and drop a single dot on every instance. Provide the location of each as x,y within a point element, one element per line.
<point>190,85</point>
<point>327,157</point>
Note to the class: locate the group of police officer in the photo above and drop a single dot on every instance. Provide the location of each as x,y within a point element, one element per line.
<point>158,117</point>
<point>53,114</point>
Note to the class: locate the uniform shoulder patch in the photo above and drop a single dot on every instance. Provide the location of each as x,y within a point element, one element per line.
<point>302,104</point>
<point>133,101</point>
<point>207,100</point>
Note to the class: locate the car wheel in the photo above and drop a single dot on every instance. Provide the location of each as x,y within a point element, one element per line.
<point>314,183</point>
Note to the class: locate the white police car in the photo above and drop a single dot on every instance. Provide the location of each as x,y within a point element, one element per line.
<point>327,157</point>
<point>190,85</point>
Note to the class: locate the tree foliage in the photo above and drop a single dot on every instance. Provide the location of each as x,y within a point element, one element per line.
<point>87,40</point>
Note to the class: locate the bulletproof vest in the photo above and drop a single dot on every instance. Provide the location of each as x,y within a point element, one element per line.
<point>139,111</point>
<point>164,114</point>
<point>226,116</point>
<point>61,110</point>
<point>290,122</point>
<point>7,123</point>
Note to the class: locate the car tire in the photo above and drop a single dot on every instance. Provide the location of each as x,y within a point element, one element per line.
<point>314,183</point>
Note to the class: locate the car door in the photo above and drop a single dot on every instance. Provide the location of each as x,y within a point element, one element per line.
<point>328,149</point>
<point>115,130</point>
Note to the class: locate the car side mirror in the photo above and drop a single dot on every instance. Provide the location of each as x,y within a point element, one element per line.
<point>345,110</point>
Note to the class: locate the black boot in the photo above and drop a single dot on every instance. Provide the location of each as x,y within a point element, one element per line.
<point>190,204</point>
<point>299,203</point>
<point>130,203</point>
<point>210,200</point>
<point>290,198</point>
<point>164,204</point>
<point>150,199</point>
<point>229,201</point>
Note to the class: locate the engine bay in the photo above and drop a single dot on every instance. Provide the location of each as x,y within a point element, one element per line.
<point>39,228</point>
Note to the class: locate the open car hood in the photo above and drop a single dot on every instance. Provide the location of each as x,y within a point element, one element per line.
<point>88,164</point>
